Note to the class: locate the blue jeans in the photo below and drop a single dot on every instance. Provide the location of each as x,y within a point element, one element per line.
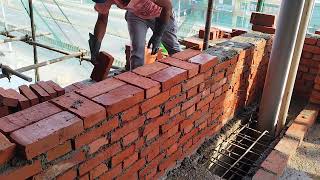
<point>138,30</point>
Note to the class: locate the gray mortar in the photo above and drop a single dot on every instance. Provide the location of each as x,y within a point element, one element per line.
<point>257,35</point>
<point>223,53</point>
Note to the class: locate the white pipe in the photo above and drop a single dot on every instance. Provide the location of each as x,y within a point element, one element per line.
<point>307,12</point>
<point>279,65</point>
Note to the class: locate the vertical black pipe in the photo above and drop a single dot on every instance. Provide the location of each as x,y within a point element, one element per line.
<point>33,33</point>
<point>260,5</point>
<point>208,25</point>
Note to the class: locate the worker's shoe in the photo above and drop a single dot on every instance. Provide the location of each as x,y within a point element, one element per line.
<point>95,46</point>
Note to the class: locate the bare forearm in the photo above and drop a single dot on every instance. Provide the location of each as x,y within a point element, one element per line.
<point>101,26</point>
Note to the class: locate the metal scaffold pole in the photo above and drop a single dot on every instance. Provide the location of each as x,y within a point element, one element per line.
<point>260,5</point>
<point>33,32</point>
<point>208,25</point>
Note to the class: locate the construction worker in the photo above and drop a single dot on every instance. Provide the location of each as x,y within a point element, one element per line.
<point>140,16</point>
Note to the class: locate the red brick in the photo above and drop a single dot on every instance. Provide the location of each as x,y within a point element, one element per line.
<point>23,172</point>
<point>151,151</point>
<point>186,54</point>
<point>90,112</point>
<point>23,102</point>
<point>7,99</point>
<point>127,128</point>
<point>98,171</point>
<point>175,90</point>
<point>214,33</point>
<point>174,102</point>
<point>149,69</point>
<point>59,151</point>
<point>155,123</point>
<point>70,174</point>
<point>131,137</point>
<point>297,131</point>
<point>120,99</point>
<point>192,43</point>
<point>100,88</point>
<point>97,144</point>
<point>191,102</point>
<point>276,162</point>
<point>7,149</point>
<point>205,101</point>
<point>50,132</point>
<point>152,165</point>
<point>70,88</point>
<point>192,69</point>
<point>176,120</point>
<point>154,101</point>
<point>103,66</point>
<point>80,85</point>
<point>264,29</point>
<point>287,146</point>
<point>262,19</point>
<point>40,92</point>
<point>85,177</point>
<point>50,90</point>
<point>169,138</point>
<point>262,174</point>
<point>132,171</point>
<point>131,113</point>
<point>112,173</point>
<point>169,77</point>
<point>190,111</point>
<point>154,133</point>
<point>172,149</point>
<point>28,93</point>
<point>192,92</point>
<point>4,111</point>
<point>122,155</point>
<point>94,134</point>
<point>99,158</point>
<point>193,82</point>
<point>310,41</point>
<point>151,87</point>
<point>62,166</point>
<point>31,115</point>
<point>171,161</point>
<point>154,113</point>
<point>206,61</point>
<point>130,160</point>
<point>60,91</point>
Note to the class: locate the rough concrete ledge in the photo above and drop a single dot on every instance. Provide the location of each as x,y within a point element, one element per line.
<point>276,162</point>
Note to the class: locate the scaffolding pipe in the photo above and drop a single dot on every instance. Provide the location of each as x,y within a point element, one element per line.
<point>6,32</point>
<point>45,63</point>
<point>279,65</point>
<point>307,12</point>
<point>7,70</point>
<point>21,38</point>
<point>260,5</point>
<point>33,32</point>
<point>208,25</point>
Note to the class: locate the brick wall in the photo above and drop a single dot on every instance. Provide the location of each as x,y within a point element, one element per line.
<point>138,124</point>
<point>308,67</point>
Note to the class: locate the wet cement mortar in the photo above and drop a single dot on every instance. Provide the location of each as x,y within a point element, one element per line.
<point>305,164</point>
<point>195,166</point>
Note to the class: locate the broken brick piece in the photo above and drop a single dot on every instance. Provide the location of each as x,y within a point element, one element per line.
<point>103,66</point>
<point>151,87</point>
<point>53,93</point>
<point>28,93</point>
<point>60,91</point>
<point>48,133</point>
<point>91,112</point>
<point>40,92</point>
<point>7,149</point>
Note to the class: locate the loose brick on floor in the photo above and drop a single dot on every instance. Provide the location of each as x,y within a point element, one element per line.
<point>149,69</point>
<point>100,88</point>
<point>40,92</point>
<point>120,98</point>
<point>31,115</point>
<point>151,87</point>
<point>169,77</point>
<point>28,93</point>
<point>7,149</point>
<point>40,137</point>
<point>90,112</point>
<point>60,91</point>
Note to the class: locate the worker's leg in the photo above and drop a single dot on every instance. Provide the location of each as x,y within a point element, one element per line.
<point>100,27</point>
<point>137,29</point>
<point>169,38</point>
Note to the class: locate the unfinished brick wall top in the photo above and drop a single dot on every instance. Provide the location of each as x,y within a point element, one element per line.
<point>139,124</point>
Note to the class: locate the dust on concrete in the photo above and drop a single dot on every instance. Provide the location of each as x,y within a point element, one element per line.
<point>305,164</point>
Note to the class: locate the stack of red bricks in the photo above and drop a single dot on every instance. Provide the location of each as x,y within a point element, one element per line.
<point>138,124</point>
<point>264,23</point>
<point>308,67</point>
<point>12,101</point>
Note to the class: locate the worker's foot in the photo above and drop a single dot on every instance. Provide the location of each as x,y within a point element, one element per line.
<point>94,45</point>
